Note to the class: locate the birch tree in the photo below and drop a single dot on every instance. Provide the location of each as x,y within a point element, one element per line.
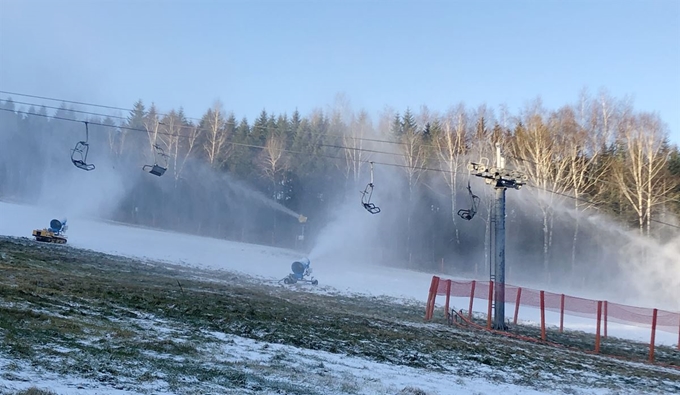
<point>640,176</point>
<point>586,133</point>
<point>450,146</point>
<point>179,138</point>
<point>538,151</point>
<point>272,161</point>
<point>414,156</point>
<point>214,126</point>
<point>354,141</point>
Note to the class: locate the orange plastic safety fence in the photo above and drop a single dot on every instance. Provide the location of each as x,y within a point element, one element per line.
<point>458,288</point>
<point>563,304</point>
<point>665,321</point>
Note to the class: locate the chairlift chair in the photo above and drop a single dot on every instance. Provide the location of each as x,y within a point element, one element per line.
<point>468,214</point>
<point>368,191</point>
<point>156,169</point>
<point>80,151</point>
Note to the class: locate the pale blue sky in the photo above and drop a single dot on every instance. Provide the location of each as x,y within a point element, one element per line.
<point>283,55</point>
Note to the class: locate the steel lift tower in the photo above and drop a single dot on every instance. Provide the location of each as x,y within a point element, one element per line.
<point>501,179</point>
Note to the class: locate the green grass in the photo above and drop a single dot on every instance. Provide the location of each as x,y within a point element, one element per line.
<point>35,391</point>
<point>122,322</point>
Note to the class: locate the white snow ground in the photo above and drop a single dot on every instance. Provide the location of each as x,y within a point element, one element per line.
<point>273,264</point>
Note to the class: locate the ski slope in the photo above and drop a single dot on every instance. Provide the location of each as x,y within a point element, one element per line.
<point>273,264</point>
<point>268,263</point>
<point>261,261</point>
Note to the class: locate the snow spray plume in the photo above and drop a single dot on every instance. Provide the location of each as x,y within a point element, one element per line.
<point>249,193</point>
<point>626,265</point>
<point>648,266</point>
<point>349,237</point>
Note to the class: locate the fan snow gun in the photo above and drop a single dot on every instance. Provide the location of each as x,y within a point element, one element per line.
<point>300,271</point>
<point>53,234</point>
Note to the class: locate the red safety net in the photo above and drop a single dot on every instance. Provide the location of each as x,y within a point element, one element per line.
<point>656,320</point>
<point>665,321</point>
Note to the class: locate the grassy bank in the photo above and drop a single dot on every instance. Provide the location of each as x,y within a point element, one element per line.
<point>146,326</point>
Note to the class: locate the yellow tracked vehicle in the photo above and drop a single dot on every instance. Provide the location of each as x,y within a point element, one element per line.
<point>53,234</point>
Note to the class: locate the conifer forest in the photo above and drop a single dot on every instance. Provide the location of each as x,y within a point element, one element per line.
<point>603,181</point>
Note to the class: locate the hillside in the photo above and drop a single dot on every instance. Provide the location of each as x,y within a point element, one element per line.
<point>80,321</point>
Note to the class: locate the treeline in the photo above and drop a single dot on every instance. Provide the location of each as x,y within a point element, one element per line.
<point>598,155</point>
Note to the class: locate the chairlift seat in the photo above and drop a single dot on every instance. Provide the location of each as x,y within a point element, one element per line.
<point>366,201</point>
<point>81,149</point>
<point>82,165</point>
<point>156,170</point>
<point>372,208</point>
<point>466,214</point>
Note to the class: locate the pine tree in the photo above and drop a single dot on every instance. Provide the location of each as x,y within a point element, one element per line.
<point>137,116</point>
<point>133,138</point>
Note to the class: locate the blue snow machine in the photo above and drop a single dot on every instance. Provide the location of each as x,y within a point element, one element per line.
<point>301,270</point>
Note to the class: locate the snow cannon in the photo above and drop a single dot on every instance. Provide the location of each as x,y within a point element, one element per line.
<point>57,227</point>
<point>301,270</point>
<point>53,234</point>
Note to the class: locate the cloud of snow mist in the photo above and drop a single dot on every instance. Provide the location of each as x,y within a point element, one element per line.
<point>78,193</point>
<point>610,262</point>
<point>630,267</point>
<point>648,267</point>
<point>354,237</point>
<point>40,171</point>
<point>350,237</point>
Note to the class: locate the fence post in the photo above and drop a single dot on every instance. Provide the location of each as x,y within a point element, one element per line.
<point>561,313</point>
<point>472,299</point>
<point>605,318</point>
<point>429,300</point>
<point>597,332</point>
<point>651,343</point>
<point>429,307</point>
<point>519,295</point>
<point>542,304</point>
<point>448,297</point>
<point>488,313</point>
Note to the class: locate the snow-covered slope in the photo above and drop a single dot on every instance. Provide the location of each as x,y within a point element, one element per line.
<point>261,261</point>
<point>265,262</point>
